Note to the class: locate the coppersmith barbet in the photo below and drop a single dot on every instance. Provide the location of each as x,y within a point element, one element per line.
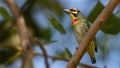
<point>80,27</point>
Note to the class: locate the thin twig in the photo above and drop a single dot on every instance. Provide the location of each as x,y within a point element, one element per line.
<point>26,41</point>
<point>37,41</point>
<point>54,58</point>
<point>98,23</point>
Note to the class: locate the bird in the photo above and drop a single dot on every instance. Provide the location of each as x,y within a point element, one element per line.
<point>80,26</point>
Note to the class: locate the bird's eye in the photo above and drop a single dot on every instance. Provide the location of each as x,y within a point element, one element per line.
<point>72,10</point>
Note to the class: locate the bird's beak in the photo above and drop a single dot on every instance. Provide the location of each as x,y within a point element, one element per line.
<point>67,11</point>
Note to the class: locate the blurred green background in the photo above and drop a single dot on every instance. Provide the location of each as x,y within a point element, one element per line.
<point>47,21</point>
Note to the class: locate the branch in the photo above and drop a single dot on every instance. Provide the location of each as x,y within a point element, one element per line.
<point>26,42</point>
<point>98,23</point>
<point>52,57</point>
<point>44,51</point>
<point>65,59</point>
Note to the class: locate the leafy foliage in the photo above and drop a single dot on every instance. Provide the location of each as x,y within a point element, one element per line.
<point>68,54</point>
<point>56,25</point>
<point>112,25</point>
<point>6,54</point>
<point>52,5</point>
<point>39,32</point>
<point>5,13</point>
<point>7,28</point>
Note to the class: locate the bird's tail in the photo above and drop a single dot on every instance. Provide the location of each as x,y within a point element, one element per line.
<point>92,56</point>
<point>93,60</point>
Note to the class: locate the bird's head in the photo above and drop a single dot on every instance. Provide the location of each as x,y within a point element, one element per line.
<point>73,13</point>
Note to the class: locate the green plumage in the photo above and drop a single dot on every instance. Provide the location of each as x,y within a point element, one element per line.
<point>80,27</point>
<point>79,30</point>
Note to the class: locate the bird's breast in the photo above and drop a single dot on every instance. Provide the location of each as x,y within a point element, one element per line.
<point>79,30</point>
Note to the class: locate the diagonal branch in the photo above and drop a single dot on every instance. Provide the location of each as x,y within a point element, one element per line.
<point>98,23</point>
<point>26,41</point>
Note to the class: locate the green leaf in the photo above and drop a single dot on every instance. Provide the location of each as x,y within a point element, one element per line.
<point>8,55</point>
<point>95,12</point>
<point>46,34</point>
<point>56,24</point>
<point>53,5</point>
<point>6,30</point>
<point>112,25</point>
<point>60,54</point>
<point>37,31</point>
<point>68,54</point>
<point>5,13</point>
<point>50,42</point>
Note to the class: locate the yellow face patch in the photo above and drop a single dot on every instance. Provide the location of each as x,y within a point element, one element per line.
<point>71,16</point>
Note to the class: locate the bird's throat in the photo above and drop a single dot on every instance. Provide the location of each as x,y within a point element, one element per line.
<point>71,16</point>
<point>74,21</point>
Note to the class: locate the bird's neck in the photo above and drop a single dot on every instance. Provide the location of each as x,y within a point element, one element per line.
<point>75,21</point>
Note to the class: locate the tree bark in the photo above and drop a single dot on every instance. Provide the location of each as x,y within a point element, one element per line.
<point>26,40</point>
